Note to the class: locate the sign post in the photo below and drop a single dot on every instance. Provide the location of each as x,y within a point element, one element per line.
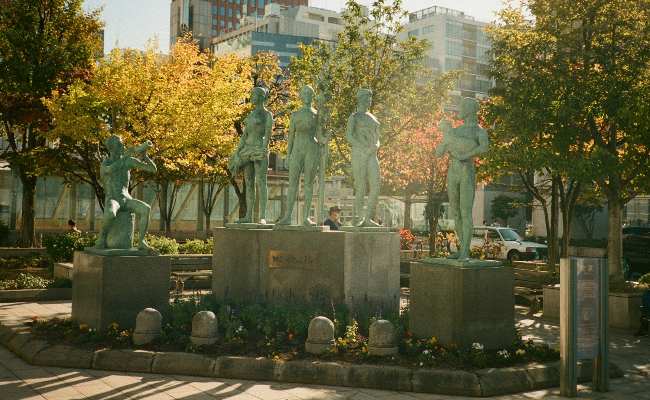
<point>583,321</point>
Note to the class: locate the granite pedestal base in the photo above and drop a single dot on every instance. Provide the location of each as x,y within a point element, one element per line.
<point>462,302</point>
<point>360,269</point>
<point>111,289</point>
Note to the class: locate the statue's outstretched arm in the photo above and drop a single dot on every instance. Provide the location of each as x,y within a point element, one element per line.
<point>146,164</point>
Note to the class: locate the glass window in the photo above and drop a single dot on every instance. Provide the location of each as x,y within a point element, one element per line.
<point>428,29</point>
<point>260,3</point>
<point>479,233</point>
<point>454,29</point>
<point>510,235</point>
<point>469,49</point>
<point>454,48</point>
<point>469,32</point>
<point>229,12</point>
<point>453,64</point>
<point>222,11</point>
<point>493,235</point>
<point>414,32</point>
<point>483,54</point>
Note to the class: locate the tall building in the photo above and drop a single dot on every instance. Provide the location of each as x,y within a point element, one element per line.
<point>457,42</point>
<point>207,19</point>
<point>281,31</point>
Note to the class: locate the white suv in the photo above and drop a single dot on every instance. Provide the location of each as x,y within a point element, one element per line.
<point>513,248</point>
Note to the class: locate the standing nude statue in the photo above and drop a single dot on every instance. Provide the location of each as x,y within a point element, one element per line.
<point>252,154</point>
<point>463,144</point>
<point>303,154</point>
<point>363,134</point>
<point>115,175</point>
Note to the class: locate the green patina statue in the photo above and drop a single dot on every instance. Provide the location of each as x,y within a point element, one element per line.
<point>363,134</point>
<point>117,225</point>
<point>463,144</point>
<point>252,154</point>
<point>303,154</point>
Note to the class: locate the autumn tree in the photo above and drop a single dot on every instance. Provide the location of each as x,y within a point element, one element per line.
<point>578,71</point>
<point>184,103</point>
<point>44,46</point>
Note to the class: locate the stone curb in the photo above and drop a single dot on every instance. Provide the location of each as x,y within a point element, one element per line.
<point>49,294</point>
<point>481,383</point>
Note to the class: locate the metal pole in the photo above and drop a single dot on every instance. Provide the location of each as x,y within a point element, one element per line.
<point>601,362</point>
<point>568,337</point>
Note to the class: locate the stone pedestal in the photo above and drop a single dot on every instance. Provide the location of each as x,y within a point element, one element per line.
<point>360,269</point>
<point>462,302</point>
<point>111,289</point>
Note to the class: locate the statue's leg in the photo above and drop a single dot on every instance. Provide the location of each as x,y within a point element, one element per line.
<point>312,160</point>
<point>110,212</point>
<point>467,186</point>
<point>249,175</point>
<point>453,191</point>
<point>141,210</point>
<point>261,173</point>
<point>373,195</point>
<point>359,175</point>
<point>295,168</point>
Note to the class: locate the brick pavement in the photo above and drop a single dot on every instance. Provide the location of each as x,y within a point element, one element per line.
<point>21,381</point>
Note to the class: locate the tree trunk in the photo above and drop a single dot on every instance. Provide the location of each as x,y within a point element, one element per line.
<point>408,223</point>
<point>162,205</point>
<point>614,239</point>
<point>553,253</point>
<point>27,234</point>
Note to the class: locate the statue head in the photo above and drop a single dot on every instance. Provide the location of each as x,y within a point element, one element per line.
<point>364,99</point>
<point>306,94</point>
<point>258,95</point>
<point>469,108</point>
<point>114,145</point>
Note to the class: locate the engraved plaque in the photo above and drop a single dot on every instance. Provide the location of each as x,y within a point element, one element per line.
<point>288,260</point>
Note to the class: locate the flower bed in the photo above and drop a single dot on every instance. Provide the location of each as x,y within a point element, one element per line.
<point>279,332</point>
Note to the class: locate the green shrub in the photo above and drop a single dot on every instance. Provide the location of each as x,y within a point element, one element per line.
<point>25,281</point>
<point>197,246</point>
<point>162,244</point>
<point>61,247</point>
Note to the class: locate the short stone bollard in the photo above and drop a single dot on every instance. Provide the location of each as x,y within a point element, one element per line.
<point>204,328</point>
<point>320,336</point>
<point>148,325</point>
<point>382,339</point>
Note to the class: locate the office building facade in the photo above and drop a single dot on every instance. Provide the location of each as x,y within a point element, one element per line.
<point>207,19</point>
<point>457,42</point>
<point>281,31</point>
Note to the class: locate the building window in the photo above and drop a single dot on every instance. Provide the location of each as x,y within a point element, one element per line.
<point>316,17</point>
<point>260,3</point>
<point>414,32</point>
<point>483,54</point>
<point>428,29</point>
<point>229,12</point>
<point>454,29</point>
<point>222,11</point>
<point>452,64</point>
<point>454,48</point>
<point>334,20</point>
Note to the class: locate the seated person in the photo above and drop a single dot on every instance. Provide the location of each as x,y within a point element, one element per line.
<point>333,219</point>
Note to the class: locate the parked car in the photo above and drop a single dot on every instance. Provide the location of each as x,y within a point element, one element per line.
<point>514,248</point>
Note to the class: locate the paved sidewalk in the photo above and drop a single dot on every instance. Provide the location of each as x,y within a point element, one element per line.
<point>21,381</point>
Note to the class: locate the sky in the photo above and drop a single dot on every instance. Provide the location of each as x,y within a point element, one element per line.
<point>132,23</point>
